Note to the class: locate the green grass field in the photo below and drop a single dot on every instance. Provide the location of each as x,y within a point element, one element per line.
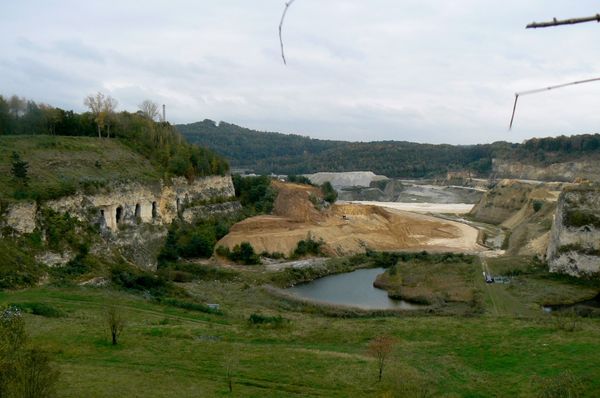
<point>58,165</point>
<point>170,352</point>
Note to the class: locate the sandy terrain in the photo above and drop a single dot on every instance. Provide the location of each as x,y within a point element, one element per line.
<point>454,208</point>
<point>348,228</point>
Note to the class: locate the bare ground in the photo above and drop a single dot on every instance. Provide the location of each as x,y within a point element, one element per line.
<point>347,229</point>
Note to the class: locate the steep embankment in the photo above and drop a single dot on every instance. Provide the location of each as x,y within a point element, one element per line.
<point>60,165</point>
<point>346,228</point>
<point>96,196</point>
<point>524,210</point>
<point>575,237</point>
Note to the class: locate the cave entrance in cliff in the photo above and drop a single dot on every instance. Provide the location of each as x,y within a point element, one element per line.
<point>119,214</point>
<point>154,210</point>
<point>138,212</point>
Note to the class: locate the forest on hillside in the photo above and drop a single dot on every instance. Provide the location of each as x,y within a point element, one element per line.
<point>157,141</point>
<point>265,152</point>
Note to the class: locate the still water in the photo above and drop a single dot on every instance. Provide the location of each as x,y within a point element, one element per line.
<point>352,289</point>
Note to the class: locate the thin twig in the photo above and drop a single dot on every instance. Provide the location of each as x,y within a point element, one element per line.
<point>287,5</point>
<point>539,90</point>
<point>570,21</point>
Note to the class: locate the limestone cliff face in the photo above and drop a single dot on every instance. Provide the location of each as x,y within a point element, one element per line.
<point>131,203</point>
<point>574,246</point>
<point>569,171</point>
<point>132,217</point>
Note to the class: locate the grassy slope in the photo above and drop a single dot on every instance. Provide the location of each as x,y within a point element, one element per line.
<point>167,352</point>
<point>60,161</point>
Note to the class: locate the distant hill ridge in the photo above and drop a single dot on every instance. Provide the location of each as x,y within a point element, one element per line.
<point>268,152</point>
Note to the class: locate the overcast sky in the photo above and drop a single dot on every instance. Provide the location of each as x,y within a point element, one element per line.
<point>441,71</point>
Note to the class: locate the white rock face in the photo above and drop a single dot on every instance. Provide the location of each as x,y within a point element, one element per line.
<point>21,217</point>
<point>346,179</point>
<point>133,202</point>
<point>575,249</point>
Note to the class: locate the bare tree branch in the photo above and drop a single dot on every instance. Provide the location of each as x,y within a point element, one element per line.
<point>287,5</point>
<point>570,21</point>
<point>539,90</point>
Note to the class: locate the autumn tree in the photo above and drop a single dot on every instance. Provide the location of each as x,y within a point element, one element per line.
<point>380,348</point>
<point>102,108</point>
<point>149,109</point>
<point>96,104</point>
<point>109,107</point>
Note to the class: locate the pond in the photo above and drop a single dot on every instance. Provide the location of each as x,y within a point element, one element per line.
<point>353,289</point>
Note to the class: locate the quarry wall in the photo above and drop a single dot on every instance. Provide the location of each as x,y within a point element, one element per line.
<point>132,217</point>
<point>574,246</point>
<point>568,171</point>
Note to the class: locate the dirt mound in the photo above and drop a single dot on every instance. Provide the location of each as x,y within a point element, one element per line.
<point>297,201</point>
<point>347,228</point>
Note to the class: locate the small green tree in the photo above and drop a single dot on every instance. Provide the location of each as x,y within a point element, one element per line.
<point>329,193</point>
<point>115,323</point>
<point>24,372</point>
<point>19,169</point>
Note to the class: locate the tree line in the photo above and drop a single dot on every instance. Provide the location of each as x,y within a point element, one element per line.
<point>265,152</point>
<point>142,131</point>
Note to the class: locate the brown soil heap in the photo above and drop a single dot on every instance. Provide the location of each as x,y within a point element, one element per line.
<point>346,228</point>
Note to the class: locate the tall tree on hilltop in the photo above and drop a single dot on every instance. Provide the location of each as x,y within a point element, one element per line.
<point>96,105</point>
<point>103,108</point>
<point>149,109</point>
<point>109,107</point>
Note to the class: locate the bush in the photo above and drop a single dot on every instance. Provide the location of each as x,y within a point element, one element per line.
<point>537,205</point>
<point>188,305</point>
<point>299,179</point>
<point>308,246</point>
<point>134,279</point>
<point>329,194</point>
<point>40,309</point>
<point>255,193</point>
<point>264,320</point>
<point>241,254</point>
<point>186,272</point>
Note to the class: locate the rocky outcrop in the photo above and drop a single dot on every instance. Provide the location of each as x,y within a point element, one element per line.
<point>523,211</point>
<point>574,246</point>
<point>21,217</point>
<point>132,217</point>
<point>133,203</point>
<point>568,171</point>
<point>193,213</point>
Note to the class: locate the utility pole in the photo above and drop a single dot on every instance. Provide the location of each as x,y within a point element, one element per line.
<point>164,114</point>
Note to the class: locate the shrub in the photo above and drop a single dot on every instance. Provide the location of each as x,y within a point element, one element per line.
<point>134,279</point>
<point>299,179</point>
<point>244,253</point>
<point>255,193</point>
<point>40,309</point>
<point>188,305</point>
<point>537,205</point>
<point>329,194</point>
<point>256,319</point>
<point>308,246</point>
